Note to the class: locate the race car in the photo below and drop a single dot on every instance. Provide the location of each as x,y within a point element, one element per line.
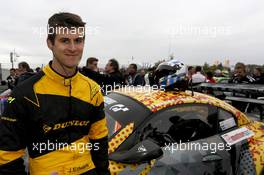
<point>169,132</point>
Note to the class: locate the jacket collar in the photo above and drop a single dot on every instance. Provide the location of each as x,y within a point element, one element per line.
<point>52,74</point>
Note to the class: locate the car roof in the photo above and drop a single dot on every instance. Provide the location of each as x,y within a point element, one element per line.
<point>158,100</point>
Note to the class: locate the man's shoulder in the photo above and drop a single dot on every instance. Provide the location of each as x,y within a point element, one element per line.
<point>29,79</point>
<point>28,82</point>
<point>88,81</point>
<point>94,88</point>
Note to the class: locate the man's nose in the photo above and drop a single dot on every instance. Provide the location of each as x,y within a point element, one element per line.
<point>72,46</point>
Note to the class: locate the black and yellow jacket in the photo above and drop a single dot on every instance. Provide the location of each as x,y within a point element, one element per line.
<point>60,121</point>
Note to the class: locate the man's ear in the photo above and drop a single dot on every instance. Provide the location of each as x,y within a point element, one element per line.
<point>50,44</point>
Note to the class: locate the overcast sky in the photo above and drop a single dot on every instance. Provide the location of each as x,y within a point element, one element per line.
<point>194,31</point>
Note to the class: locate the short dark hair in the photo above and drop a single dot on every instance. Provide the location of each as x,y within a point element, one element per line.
<point>63,19</point>
<point>38,69</point>
<point>12,69</point>
<point>209,74</point>
<point>114,63</point>
<point>190,67</point>
<point>24,65</point>
<point>90,60</point>
<point>240,65</point>
<point>198,69</point>
<point>259,69</point>
<point>134,66</point>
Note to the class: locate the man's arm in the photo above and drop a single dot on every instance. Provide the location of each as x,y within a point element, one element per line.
<point>12,135</point>
<point>98,135</point>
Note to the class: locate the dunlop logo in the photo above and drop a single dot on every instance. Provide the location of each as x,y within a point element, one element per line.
<point>63,125</point>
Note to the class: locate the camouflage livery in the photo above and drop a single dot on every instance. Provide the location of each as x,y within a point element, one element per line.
<point>158,100</point>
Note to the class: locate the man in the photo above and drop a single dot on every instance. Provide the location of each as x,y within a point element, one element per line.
<point>258,75</point>
<point>112,69</point>
<point>56,114</point>
<point>149,76</point>
<point>240,76</point>
<point>198,77</point>
<point>91,64</point>
<point>210,77</point>
<point>11,78</point>
<point>134,79</point>
<point>190,72</point>
<point>24,72</point>
<point>110,80</point>
<point>38,69</point>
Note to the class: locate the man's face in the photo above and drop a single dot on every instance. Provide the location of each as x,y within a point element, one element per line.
<point>12,72</point>
<point>240,72</point>
<point>131,69</point>
<point>256,72</point>
<point>93,65</point>
<point>142,72</point>
<point>108,67</point>
<point>192,71</point>
<point>68,47</point>
<point>21,70</point>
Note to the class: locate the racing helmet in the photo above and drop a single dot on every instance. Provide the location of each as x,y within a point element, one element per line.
<point>172,75</point>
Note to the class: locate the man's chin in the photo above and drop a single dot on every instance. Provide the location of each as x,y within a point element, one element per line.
<point>71,66</point>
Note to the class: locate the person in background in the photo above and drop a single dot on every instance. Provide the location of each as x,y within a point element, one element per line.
<point>24,72</point>
<point>149,77</point>
<point>134,78</point>
<point>142,74</point>
<point>210,78</point>
<point>11,79</point>
<point>190,72</point>
<point>113,73</point>
<point>258,76</point>
<point>198,77</point>
<point>110,80</point>
<point>240,76</point>
<point>92,64</point>
<point>38,69</point>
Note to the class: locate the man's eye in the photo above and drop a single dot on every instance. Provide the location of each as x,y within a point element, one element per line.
<point>79,40</point>
<point>66,41</point>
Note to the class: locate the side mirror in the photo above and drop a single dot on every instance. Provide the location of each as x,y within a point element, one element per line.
<point>140,153</point>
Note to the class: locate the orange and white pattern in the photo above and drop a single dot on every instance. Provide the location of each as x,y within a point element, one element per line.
<point>157,100</point>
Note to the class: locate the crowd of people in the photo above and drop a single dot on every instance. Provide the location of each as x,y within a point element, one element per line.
<point>240,75</point>
<point>112,75</point>
<point>17,75</point>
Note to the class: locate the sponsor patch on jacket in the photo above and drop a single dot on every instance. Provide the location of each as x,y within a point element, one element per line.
<point>63,125</point>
